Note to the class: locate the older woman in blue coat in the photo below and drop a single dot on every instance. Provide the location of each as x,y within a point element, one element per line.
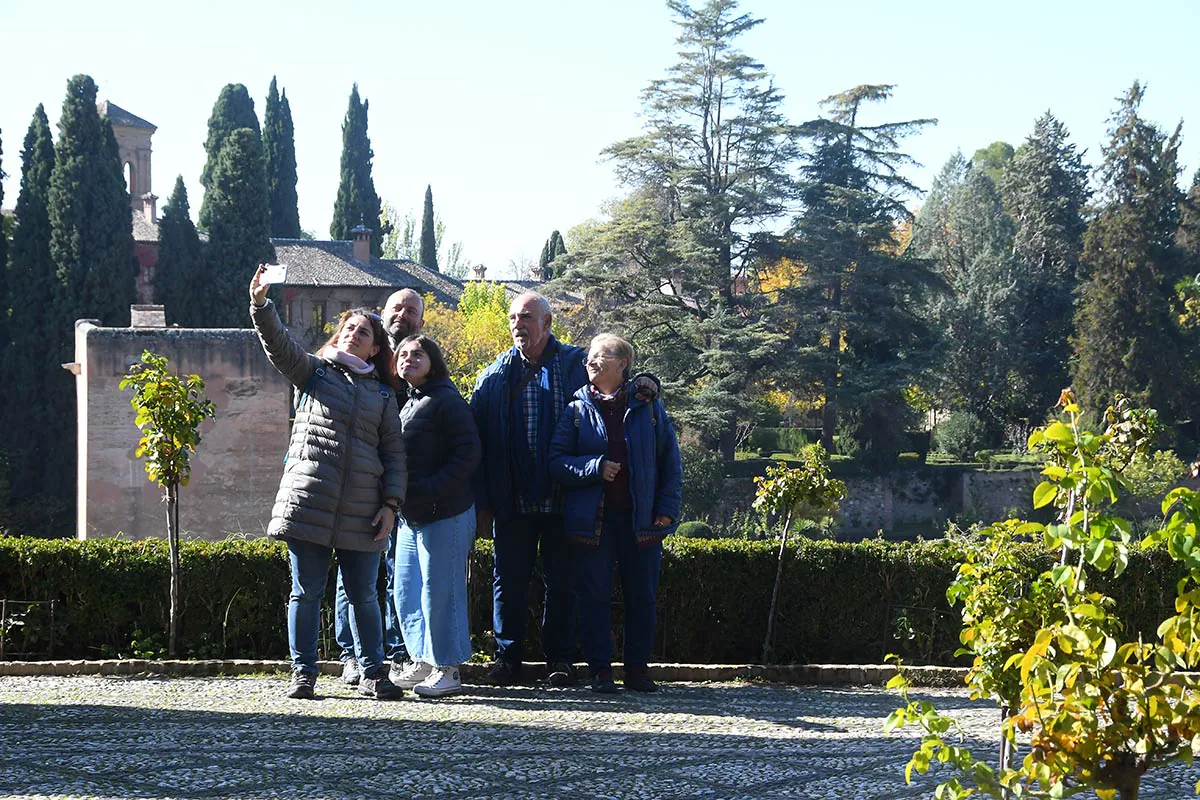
<point>617,458</point>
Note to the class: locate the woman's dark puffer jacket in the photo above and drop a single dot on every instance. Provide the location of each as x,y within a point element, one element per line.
<point>443,450</point>
<point>346,452</point>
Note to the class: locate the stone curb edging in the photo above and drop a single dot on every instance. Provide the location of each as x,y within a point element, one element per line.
<point>798,674</point>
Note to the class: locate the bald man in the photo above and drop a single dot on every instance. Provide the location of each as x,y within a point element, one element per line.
<point>403,316</point>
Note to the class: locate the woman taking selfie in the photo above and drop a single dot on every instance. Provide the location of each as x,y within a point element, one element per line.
<point>344,479</point>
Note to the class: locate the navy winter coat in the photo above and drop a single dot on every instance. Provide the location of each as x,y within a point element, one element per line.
<point>491,403</point>
<point>655,471</point>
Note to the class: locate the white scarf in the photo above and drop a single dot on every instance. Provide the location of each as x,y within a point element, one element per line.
<point>348,360</point>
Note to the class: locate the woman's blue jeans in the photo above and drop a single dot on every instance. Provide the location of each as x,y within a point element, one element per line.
<point>431,588</point>
<point>310,572</point>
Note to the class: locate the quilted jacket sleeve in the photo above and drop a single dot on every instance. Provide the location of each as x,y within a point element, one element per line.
<point>285,354</point>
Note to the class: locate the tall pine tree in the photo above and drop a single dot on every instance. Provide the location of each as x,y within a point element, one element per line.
<point>234,109</point>
<point>239,234</point>
<point>91,245</point>
<point>963,231</point>
<point>429,239</point>
<point>279,148</point>
<point>91,236</point>
<point>181,276</point>
<point>858,299</point>
<point>708,176</point>
<point>31,294</point>
<point>1044,188</point>
<point>1127,340</point>
<point>357,203</point>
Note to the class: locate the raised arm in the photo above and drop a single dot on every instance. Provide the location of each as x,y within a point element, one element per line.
<point>284,353</point>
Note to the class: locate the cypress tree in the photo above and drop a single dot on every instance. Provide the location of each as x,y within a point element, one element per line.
<point>428,233</point>
<point>234,109</point>
<point>31,294</point>
<point>91,236</point>
<point>552,249</point>
<point>1126,339</point>
<point>357,203</point>
<point>180,278</point>
<point>279,147</point>
<point>4,299</point>
<point>95,273</point>
<point>239,231</point>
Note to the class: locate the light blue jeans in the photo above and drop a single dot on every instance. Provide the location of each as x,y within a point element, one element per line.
<point>431,588</point>
<point>310,571</point>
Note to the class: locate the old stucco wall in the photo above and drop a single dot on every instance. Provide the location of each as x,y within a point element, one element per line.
<point>236,470</point>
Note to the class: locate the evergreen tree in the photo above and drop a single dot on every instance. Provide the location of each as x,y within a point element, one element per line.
<point>91,246</point>
<point>31,297</point>
<point>239,230</point>
<point>552,249</point>
<point>993,159</point>
<point>279,147</point>
<point>91,236</point>
<point>1044,188</point>
<point>4,298</point>
<point>180,279</point>
<point>708,175</point>
<point>1127,340</point>
<point>357,203</point>
<point>963,231</point>
<point>234,109</point>
<point>857,300</point>
<point>1188,236</point>
<point>429,239</point>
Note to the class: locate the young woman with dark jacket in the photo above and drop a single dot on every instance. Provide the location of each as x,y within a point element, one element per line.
<point>343,481</point>
<point>438,525</point>
<point>617,457</point>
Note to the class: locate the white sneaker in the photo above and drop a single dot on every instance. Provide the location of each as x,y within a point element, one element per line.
<point>413,673</point>
<point>441,682</point>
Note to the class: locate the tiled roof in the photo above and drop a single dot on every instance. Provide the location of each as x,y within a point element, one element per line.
<point>143,229</point>
<point>314,262</point>
<point>119,116</point>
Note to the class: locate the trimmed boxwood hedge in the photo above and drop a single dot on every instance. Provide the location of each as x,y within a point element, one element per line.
<point>840,602</point>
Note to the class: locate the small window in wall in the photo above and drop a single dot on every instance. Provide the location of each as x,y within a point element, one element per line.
<point>286,308</point>
<point>129,176</point>
<point>318,317</point>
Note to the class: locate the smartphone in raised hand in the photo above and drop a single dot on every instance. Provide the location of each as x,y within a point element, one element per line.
<point>274,273</point>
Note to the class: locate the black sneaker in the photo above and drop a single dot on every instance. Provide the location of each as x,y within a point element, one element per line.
<point>504,672</point>
<point>351,674</point>
<point>638,679</point>
<point>303,686</point>
<point>602,681</point>
<point>380,687</point>
<point>560,673</point>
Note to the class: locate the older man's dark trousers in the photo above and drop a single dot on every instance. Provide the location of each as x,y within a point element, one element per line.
<point>517,543</point>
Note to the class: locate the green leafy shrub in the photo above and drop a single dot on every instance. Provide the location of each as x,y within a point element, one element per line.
<point>783,440</point>
<point>1153,474</point>
<point>695,530</point>
<point>960,434</point>
<point>838,601</point>
<point>703,479</point>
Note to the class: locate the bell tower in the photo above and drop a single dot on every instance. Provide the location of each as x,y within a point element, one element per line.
<point>133,141</point>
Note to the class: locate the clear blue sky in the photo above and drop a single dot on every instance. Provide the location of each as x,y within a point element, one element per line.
<point>504,107</point>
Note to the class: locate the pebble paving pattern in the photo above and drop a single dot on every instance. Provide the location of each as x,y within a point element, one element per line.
<point>155,737</point>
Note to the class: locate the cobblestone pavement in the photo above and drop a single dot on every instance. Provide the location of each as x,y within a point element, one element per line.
<point>154,737</point>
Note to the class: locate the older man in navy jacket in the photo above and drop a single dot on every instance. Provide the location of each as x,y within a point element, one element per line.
<point>517,402</point>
